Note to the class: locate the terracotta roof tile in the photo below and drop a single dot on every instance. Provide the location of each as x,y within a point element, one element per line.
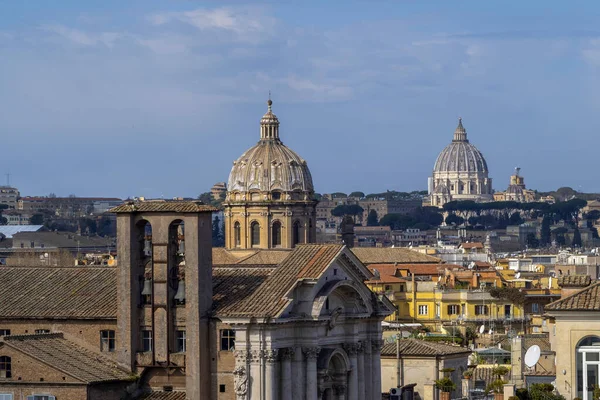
<point>574,280</point>
<point>417,269</point>
<point>222,256</point>
<point>472,245</point>
<point>263,257</point>
<point>54,350</point>
<point>418,347</point>
<point>164,206</point>
<point>391,255</point>
<point>53,292</point>
<point>587,299</point>
<point>386,279</point>
<point>267,298</point>
<point>164,396</point>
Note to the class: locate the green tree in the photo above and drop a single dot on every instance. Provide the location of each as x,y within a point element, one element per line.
<point>545,235</point>
<point>397,221</point>
<point>576,238</point>
<point>218,238</point>
<point>36,219</point>
<point>372,219</point>
<point>360,195</point>
<point>453,219</point>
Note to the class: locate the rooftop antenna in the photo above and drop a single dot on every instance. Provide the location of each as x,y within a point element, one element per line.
<point>8,178</point>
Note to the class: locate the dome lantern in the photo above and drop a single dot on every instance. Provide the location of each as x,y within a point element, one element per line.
<point>460,134</point>
<point>269,124</point>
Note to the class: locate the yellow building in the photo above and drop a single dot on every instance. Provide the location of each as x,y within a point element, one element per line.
<point>270,199</point>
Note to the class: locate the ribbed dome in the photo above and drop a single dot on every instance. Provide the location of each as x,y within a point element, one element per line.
<point>460,155</point>
<point>270,165</point>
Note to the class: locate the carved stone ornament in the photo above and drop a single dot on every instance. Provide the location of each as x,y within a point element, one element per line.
<point>240,382</point>
<point>351,348</point>
<point>339,390</point>
<point>270,355</point>
<point>241,356</point>
<point>287,354</point>
<point>311,353</point>
<point>335,314</point>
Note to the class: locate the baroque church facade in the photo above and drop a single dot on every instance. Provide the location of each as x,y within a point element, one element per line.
<point>460,172</point>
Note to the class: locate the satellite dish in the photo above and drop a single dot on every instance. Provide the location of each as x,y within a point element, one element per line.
<point>490,331</point>
<point>532,356</point>
<point>517,275</point>
<point>482,329</point>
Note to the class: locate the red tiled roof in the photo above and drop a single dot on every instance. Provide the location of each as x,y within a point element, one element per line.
<point>587,299</point>
<point>386,279</point>
<point>391,255</point>
<point>422,348</point>
<point>164,396</point>
<point>163,206</point>
<point>63,355</point>
<point>472,245</point>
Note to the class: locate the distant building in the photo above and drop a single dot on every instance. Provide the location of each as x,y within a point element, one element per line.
<point>388,206</point>
<point>14,217</point>
<point>68,206</point>
<point>516,191</point>
<point>460,172</point>
<point>218,191</point>
<point>9,196</point>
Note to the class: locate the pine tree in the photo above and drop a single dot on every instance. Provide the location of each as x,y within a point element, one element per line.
<point>545,232</point>
<point>576,238</point>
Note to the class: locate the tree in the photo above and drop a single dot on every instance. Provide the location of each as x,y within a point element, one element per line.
<point>205,197</point>
<point>36,219</point>
<point>532,241</point>
<point>360,195</point>
<point>453,219</point>
<point>545,232</point>
<point>372,219</point>
<point>397,221</point>
<point>217,233</point>
<point>576,238</point>
<point>338,195</point>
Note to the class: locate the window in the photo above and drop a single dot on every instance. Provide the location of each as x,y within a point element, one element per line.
<point>40,331</point>
<point>423,310</point>
<point>4,332</point>
<point>237,234</point>
<point>276,195</point>
<point>221,389</point>
<point>276,234</point>
<point>180,344</point>
<point>453,309</point>
<point>481,310</point>
<point>146,340</point>
<point>255,234</point>
<point>535,308</point>
<point>41,397</point>
<point>6,396</point>
<point>5,367</point>
<point>227,339</point>
<point>388,288</point>
<point>107,340</point>
<point>296,233</point>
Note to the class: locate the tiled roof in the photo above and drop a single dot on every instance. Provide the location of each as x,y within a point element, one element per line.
<point>574,280</point>
<point>54,350</point>
<point>164,396</point>
<point>266,257</point>
<point>587,299</point>
<point>74,293</point>
<point>222,256</point>
<point>386,279</point>
<point>267,298</point>
<point>391,255</point>
<point>472,245</point>
<point>418,347</point>
<point>416,269</point>
<point>233,285</point>
<point>163,206</point>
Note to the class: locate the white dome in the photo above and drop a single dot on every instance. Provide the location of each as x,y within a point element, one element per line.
<point>460,155</point>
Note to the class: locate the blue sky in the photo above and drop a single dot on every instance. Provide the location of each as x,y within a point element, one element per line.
<point>157,98</point>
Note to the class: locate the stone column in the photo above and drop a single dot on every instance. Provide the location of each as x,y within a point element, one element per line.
<point>361,371</point>
<point>271,381</point>
<point>254,374</point>
<point>376,367</point>
<point>352,350</point>
<point>368,369</point>
<point>299,373</point>
<point>286,372</point>
<point>311,354</point>
<point>466,387</point>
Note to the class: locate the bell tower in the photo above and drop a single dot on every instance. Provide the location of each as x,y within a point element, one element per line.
<point>164,289</point>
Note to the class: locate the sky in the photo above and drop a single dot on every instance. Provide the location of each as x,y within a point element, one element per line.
<point>157,98</point>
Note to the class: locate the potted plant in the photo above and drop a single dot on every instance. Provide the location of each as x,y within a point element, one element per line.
<point>445,386</point>
<point>468,374</point>
<point>497,386</point>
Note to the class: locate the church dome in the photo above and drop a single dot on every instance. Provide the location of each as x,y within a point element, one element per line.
<point>460,155</point>
<point>270,167</point>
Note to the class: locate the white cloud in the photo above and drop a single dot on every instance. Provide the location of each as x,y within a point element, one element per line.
<point>82,38</point>
<point>247,23</point>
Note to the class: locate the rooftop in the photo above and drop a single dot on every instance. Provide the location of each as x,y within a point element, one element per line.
<point>574,280</point>
<point>54,350</point>
<point>422,348</point>
<point>587,299</point>
<point>175,206</point>
<point>391,255</point>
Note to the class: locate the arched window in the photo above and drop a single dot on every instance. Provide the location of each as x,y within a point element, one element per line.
<point>5,367</point>
<point>311,239</point>
<point>255,234</point>
<point>276,234</point>
<point>296,233</point>
<point>588,362</point>
<point>237,235</point>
